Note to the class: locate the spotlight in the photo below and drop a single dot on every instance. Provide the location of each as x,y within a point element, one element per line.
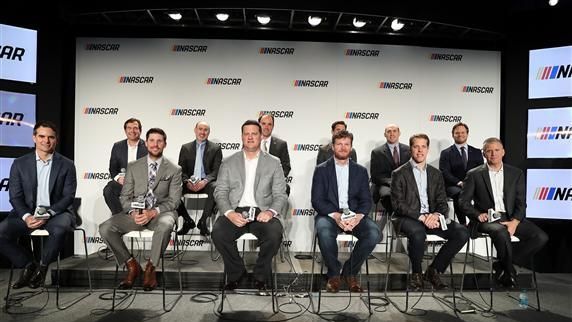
<point>314,20</point>
<point>263,19</point>
<point>222,16</point>
<point>175,16</point>
<point>396,25</point>
<point>359,23</point>
<point>552,3</point>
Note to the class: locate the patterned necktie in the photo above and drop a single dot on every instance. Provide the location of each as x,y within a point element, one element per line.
<point>395,156</point>
<point>150,196</point>
<point>464,156</point>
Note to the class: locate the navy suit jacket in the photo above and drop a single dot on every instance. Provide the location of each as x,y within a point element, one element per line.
<point>382,163</point>
<point>452,167</point>
<point>118,159</point>
<point>24,184</point>
<point>279,149</point>
<point>325,189</point>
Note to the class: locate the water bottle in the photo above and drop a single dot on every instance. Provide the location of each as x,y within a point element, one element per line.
<point>523,299</point>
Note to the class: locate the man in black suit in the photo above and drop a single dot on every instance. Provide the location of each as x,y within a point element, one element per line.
<point>454,163</point>
<point>273,145</point>
<point>500,187</point>
<point>340,187</point>
<point>123,152</point>
<point>43,181</point>
<point>199,177</point>
<point>385,159</point>
<point>419,199</point>
<point>326,151</point>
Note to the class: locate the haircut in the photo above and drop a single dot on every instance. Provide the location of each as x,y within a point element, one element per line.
<point>342,135</point>
<point>418,136</point>
<point>157,131</point>
<point>460,124</point>
<point>337,123</point>
<point>263,115</point>
<point>490,141</point>
<point>251,122</point>
<point>132,120</point>
<point>49,124</point>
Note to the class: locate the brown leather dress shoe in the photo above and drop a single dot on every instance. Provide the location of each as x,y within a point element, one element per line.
<point>133,271</point>
<point>333,285</point>
<point>353,284</point>
<point>149,278</point>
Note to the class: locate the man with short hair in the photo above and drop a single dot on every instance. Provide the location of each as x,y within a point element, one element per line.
<point>384,159</point>
<point>454,163</point>
<point>326,151</point>
<point>123,152</point>
<point>273,145</point>
<point>152,183</point>
<point>250,192</point>
<point>342,205</point>
<point>499,187</point>
<point>41,182</point>
<point>419,199</point>
<point>200,161</point>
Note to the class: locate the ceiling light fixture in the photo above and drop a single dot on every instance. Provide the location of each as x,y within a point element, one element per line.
<point>396,25</point>
<point>175,16</point>
<point>222,16</point>
<point>359,23</point>
<point>263,19</point>
<point>314,20</point>
<point>552,3</point>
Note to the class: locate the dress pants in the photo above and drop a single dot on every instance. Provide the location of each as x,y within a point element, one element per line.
<point>111,194</point>
<point>209,203</point>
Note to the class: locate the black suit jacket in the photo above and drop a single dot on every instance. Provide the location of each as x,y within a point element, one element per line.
<point>325,198</point>
<point>279,149</point>
<point>212,158</point>
<point>325,152</point>
<point>24,184</point>
<point>477,188</point>
<point>382,163</point>
<point>118,159</point>
<point>405,195</point>
<point>452,167</point>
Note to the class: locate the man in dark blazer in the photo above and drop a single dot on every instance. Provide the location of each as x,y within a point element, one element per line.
<point>273,145</point>
<point>43,179</point>
<point>326,151</point>
<point>250,181</point>
<point>419,199</point>
<point>385,159</point>
<point>500,187</point>
<point>454,163</point>
<point>158,181</point>
<point>123,152</point>
<point>340,186</point>
<point>199,178</point>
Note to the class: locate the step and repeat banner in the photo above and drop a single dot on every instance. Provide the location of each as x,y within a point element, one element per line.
<point>174,83</point>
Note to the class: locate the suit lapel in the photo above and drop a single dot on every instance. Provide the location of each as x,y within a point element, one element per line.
<point>487,180</point>
<point>333,184</point>
<point>33,174</point>
<point>163,169</point>
<point>56,162</point>
<point>193,152</point>
<point>259,166</point>
<point>411,181</point>
<point>241,170</point>
<point>141,149</point>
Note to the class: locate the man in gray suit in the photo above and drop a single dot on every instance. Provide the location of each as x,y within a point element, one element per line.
<point>250,182</point>
<point>123,152</point>
<point>156,182</point>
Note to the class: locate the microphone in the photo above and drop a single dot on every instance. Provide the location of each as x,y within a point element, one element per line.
<point>443,222</point>
<point>41,213</point>
<point>347,214</point>
<point>138,203</point>
<point>122,173</point>
<point>494,215</point>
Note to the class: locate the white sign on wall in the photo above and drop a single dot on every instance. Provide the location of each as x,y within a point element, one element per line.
<point>549,133</point>
<point>550,72</point>
<point>18,53</point>
<point>549,193</point>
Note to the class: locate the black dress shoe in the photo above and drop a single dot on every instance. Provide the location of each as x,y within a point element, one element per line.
<point>25,276</point>
<point>187,225</point>
<point>231,286</point>
<point>432,276</point>
<point>508,280</point>
<point>39,277</point>
<point>202,226</point>
<point>416,282</point>
<point>261,287</point>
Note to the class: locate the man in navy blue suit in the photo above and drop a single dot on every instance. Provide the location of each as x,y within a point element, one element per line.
<point>43,181</point>
<point>455,162</point>
<point>341,198</point>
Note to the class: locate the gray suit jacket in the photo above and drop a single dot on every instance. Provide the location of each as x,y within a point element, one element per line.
<point>269,184</point>
<point>167,186</point>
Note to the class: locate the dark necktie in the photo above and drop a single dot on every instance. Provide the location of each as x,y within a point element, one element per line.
<point>395,156</point>
<point>464,156</point>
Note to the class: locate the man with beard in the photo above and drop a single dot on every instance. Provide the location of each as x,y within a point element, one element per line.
<point>158,181</point>
<point>340,196</point>
<point>326,151</point>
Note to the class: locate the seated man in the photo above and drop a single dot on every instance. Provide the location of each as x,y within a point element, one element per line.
<point>199,177</point>
<point>326,151</point>
<point>499,187</point>
<point>123,152</point>
<point>43,181</point>
<point>334,196</point>
<point>385,159</point>
<point>250,182</point>
<point>418,197</point>
<point>157,181</point>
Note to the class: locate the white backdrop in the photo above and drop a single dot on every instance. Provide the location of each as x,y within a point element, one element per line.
<point>442,87</point>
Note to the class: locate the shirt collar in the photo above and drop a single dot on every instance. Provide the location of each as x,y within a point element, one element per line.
<point>247,159</point>
<point>391,146</point>
<point>159,161</point>
<point>50,156</point>
<point>459,146</point>
<point>499,171</point>
<point>415,165</point>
